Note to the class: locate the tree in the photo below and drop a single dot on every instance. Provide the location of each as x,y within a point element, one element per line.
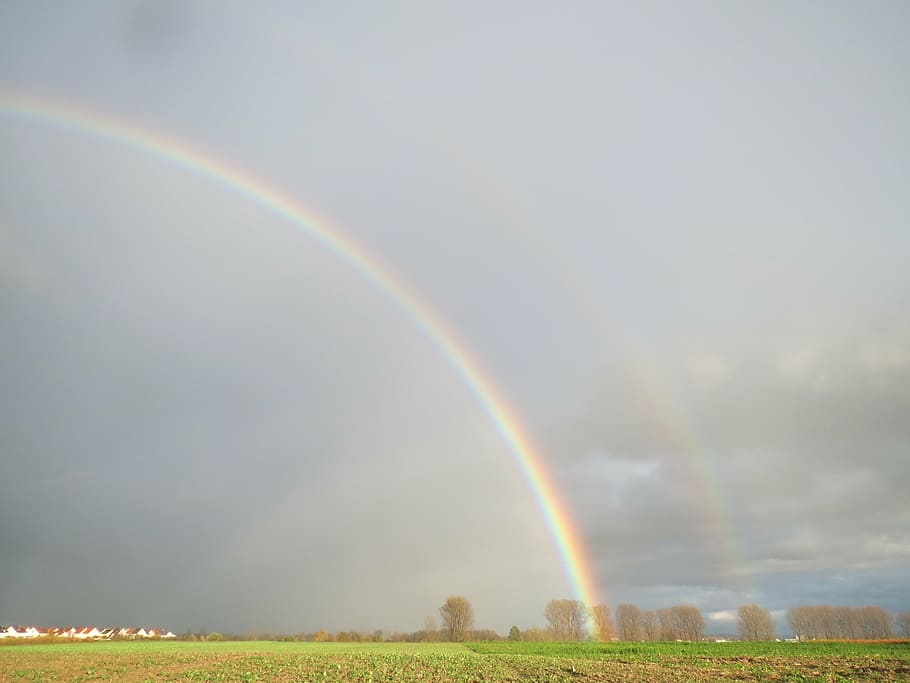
<point>755,623</point>
<point>876,623</point>
<point>603,623</point>
<point>650,626</point>
<point>903,624</point>
<point>567,619</point>
<point>535,634</point>
<point>430,632</point>
<point>848,622</point>
<point>628,622</point>
<point>457,617</point>
<point>667,627</point>
<point>688,622</point>
<point>828,621</point>
<point>514,633</point>
<point>824,618</point>
<point>800,621</point>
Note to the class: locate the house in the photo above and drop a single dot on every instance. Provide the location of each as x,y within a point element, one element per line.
<point>87,633</point>
<point>81,632</point>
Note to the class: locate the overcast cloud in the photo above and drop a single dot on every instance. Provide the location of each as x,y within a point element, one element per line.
<point>674,234</point>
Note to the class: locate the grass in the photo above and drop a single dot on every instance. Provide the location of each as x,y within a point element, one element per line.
<point>144,662</point>
<point>656,651</point>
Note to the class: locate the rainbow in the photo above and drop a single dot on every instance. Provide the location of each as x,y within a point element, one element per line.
<point>33,109</point>
<point>710,506</point>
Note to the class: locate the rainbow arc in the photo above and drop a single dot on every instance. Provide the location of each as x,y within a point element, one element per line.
<point>168,149</point>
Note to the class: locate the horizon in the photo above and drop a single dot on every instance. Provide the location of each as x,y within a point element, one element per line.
<point>716,625</point>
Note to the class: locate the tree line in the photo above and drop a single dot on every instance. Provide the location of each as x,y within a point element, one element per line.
<point>838,622</point>
<point>571,620</point>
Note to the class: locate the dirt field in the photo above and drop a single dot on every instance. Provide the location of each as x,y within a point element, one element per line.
<point>280,662</point>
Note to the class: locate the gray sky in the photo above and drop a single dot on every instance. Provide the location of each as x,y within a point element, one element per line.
<point>674,234</point>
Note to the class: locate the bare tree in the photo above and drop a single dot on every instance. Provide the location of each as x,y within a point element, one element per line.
<point>902,620</point>
<point>457,617</point>
<point>903,624</point>
<point>755,623</point>
<point>851,621</point>
<point>535,634</point>
<point>603,623</point>
<point>829,621</point>
<point>567,619</point>
<point>800,621</point>
<point>876,623</point>
<point>650,626</point>
<point>667,627</point>
<point>826,620</point>
<point>628,622</point>
<point>430,631</point>
<point>688,622</point>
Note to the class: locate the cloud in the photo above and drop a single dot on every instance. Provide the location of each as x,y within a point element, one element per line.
<point>725,616</point>
<point>782,463</point>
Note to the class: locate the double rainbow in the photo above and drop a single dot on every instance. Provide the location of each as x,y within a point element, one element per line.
<point>33,109</point>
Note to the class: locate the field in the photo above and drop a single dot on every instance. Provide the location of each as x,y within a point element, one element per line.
<point>482,662</point>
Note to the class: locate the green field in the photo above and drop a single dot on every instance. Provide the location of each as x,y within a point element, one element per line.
<point>481,662</point>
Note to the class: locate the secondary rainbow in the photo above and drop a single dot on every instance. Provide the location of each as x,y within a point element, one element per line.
<point>31,108</point>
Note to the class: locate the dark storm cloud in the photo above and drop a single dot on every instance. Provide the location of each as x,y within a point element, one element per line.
<point>805,437</point>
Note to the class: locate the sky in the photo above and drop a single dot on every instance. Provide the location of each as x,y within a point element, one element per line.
<point>673,236</point>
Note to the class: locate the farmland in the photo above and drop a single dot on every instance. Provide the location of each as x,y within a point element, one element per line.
<point>499,661</point>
